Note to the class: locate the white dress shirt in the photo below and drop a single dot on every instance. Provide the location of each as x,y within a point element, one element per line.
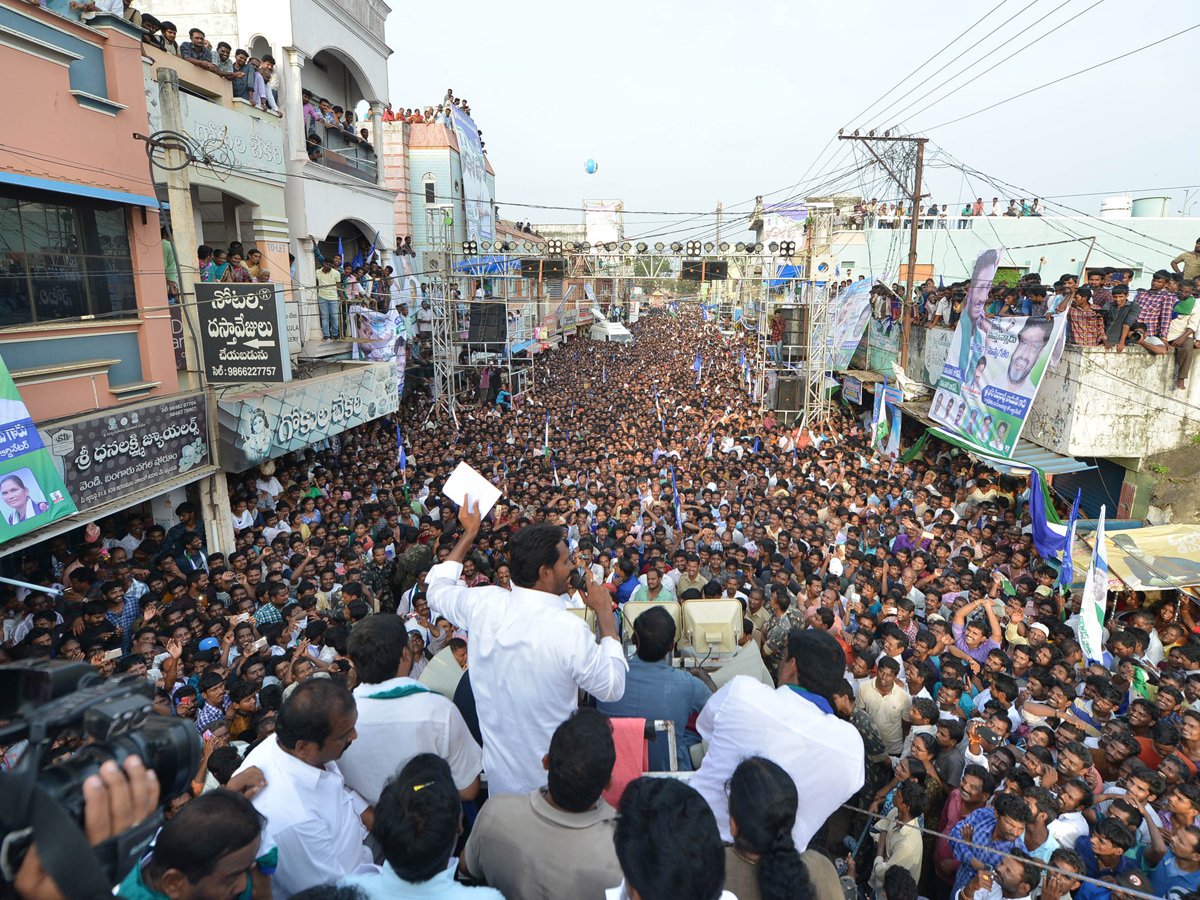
<point>529,656</point>
<point>823,754</point>
<point>312,817</point>
<point>392,731</point>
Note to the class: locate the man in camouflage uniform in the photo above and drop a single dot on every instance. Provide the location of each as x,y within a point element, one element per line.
<point>378,575</point>
<point>410,562</point>
<point>787,618</point>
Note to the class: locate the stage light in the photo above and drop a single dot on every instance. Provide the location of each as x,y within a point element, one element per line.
<point>740,247</point>
<point>693,248</point>
<point>611,246</point>
<point>554,245</point>
<point>571,246</point>
<point>529,245</point>
<point>708,248</point>
<point>787,248</point>
<point>540,246</point>
<point>773,246</point>
<point>585,247</point>
<point>469,248</point>
<point>625,247</point>
<point>659,247</point>
<point>676,246</point>
<point>724,248</point>
<point>642,247</point>
<point>757,248</point>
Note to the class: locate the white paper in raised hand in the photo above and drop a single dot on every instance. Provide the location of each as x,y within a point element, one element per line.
<point>465,481</point>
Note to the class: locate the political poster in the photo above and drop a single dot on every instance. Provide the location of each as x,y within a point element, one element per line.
<point>885,425</point>
<point>32,493</point>
<point>852,389</point>
<point>381,338</point>
<point>851,312</point>
<point>993,368</point>
<point>477,197</point>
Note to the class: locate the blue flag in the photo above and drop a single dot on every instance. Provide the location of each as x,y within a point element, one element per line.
<point>1049,538</point>
<point>341,253</point>
<point>402,459</point>
<point>755,450</point>
<point>675,490</point>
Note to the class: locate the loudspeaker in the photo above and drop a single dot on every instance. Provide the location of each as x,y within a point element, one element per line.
<point>708,269</point>
<point>795,326</point>
<point>551,269</point>
<point>488,324</point>
<point>788,395</point>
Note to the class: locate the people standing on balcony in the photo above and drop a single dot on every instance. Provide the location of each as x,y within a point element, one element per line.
<point>1187,263</point>
<point>264,96</point>
<point>997,209</point>
<point>131,15</point>
<point>388,115</point>
<point>89,8</point>
<point>1156,306</point>
<point>237,271</point>
<point>1120,315</point>
<point>196,51</point>
<point>220,266</point>
<point>1085,325</point>
<point>329,280</point>
<point>169,44</point>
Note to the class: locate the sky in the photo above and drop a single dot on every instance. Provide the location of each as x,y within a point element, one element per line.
<point>683,105</point>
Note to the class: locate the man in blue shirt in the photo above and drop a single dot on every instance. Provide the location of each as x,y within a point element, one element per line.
<point>989,834</point>
<point>1103,855</point>
<point>655,690</point>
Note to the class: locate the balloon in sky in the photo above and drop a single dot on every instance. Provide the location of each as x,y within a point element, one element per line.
<point>592,166</point>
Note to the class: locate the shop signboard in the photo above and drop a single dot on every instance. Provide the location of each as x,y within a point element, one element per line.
<point>243,333</point>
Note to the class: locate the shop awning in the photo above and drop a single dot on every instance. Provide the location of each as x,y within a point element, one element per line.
<point>1026,455</point>
<point>520,347</point>
<point>77,190</point>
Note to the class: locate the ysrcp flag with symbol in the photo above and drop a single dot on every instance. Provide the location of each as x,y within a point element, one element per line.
<point>32,493</point>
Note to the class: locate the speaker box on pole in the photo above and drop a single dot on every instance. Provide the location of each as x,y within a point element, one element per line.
<point>551,269</point>
<point>788,395</point>
<point>488,324</point>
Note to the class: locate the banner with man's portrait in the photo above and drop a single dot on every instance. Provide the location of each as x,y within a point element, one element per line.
<point>993,368</point>
<point>32,493</point>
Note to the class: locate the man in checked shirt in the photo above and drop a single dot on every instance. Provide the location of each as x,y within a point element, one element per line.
<point>1155,306</point>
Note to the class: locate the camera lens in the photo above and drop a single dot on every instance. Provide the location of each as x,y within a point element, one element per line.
<point>171,747</point>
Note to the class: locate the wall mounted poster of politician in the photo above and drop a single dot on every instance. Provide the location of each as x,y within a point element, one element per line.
<point>32,494</point>
<point>994,367</point>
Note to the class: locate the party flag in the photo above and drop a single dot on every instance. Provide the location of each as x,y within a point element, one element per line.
<point>1095,598</point>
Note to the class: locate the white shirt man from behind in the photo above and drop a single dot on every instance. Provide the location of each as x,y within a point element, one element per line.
<point>529,656</point>
<point>794,726</point>
<point>398,718</point>
<point>316,821</point>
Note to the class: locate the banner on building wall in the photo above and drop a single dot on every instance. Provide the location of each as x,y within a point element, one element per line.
<point>112,454</point>
<point>383,339</point>
<point>32,493</point>
<point>476,196</point>
<point>993,368</point>
<point>851,313</point>
<point>262,425</point>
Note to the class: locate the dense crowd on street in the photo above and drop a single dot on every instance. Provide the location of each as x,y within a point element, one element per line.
<point>924,722</point>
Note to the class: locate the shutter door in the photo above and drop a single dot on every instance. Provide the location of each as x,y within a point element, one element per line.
<point>1100,486</point>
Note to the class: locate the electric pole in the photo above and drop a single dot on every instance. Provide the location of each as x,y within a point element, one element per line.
<point>914,197</point>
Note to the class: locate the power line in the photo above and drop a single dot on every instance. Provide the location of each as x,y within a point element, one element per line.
<point>1065,77</point>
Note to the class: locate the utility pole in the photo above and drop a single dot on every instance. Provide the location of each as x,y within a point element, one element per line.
<point>214,494</point>
<point>914,197</point>
<point>183,222</point>
<point>720,215</point>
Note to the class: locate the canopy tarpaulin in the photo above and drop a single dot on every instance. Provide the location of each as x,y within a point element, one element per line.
<point>1162,557</point>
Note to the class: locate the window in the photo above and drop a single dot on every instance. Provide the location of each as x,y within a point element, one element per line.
<point>430,190</point>
<point>63,258</point>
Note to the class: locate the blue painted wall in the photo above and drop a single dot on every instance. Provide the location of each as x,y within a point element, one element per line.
<point>86,74</point>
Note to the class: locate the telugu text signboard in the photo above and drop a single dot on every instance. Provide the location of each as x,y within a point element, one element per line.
<point>243,333</point>
<point>118,452</point>
<point>264,424</point>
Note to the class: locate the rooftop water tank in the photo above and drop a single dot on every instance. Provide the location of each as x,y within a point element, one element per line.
<point>1116,207</point>
<point>1151,207</point>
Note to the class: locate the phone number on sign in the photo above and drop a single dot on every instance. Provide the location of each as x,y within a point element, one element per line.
<point>244,371</point>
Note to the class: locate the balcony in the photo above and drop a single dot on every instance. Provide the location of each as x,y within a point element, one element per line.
<point>343,153</point>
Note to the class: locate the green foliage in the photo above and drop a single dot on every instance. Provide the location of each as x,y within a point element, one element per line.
<point>1159,469</point>
<point>1006,276</point>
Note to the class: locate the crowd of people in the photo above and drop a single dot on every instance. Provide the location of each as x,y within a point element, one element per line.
<point>931,727</point>
<point>886,214</point>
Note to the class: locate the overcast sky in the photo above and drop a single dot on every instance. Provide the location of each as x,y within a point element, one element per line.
<point>685,104</point>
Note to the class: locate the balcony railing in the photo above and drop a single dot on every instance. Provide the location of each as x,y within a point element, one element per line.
<point>346,154</point>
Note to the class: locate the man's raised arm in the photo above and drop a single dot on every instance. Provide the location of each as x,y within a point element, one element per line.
<point>446,596</point>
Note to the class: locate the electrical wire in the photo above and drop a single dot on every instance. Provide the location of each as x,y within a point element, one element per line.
<point>1064,78</point>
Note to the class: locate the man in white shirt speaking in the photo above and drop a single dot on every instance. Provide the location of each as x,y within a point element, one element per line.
<point>317,823</point>
<point>794,726</point>
<point>398,718</point>
<point>529,656</point>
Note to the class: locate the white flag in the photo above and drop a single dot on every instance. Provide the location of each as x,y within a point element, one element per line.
<point>1095,598</point>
